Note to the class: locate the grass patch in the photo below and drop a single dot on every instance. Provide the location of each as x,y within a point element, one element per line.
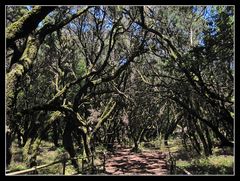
<point>183,163</point>
<point>215,165</point>
<point>48,153</point>
<point>17,166</point>
<point>220,163</point>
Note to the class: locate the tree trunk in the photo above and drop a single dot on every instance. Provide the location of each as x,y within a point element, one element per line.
<point>68,143</point>
<point>20,68</point>
<point>55,134</point>
<point>166,139</point>
<point>222,138</point>
<point>195,143</point>
<point>136,148</point>
<point>209,141</point>
<point>27,23</point>
<point>202,138</point>
<point>8,147</point>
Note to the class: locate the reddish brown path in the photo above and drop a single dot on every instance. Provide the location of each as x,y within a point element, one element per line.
<point>125,162</point>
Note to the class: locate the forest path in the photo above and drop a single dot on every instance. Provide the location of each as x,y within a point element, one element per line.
<point>125,162</point>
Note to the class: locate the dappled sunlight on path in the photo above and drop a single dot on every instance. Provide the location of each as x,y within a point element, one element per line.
<point>125,162</point>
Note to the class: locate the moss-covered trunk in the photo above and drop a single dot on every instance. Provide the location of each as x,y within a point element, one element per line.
<point>27,23</point>
<point>20,68</point>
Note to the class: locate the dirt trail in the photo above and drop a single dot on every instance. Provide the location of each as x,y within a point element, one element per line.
<point>125,162</point>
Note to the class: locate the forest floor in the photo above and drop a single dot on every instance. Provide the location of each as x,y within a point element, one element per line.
<point>122,161</point>
<point>125,162</point>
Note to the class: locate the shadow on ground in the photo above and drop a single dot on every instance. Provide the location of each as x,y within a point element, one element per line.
<point>125,162</point>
